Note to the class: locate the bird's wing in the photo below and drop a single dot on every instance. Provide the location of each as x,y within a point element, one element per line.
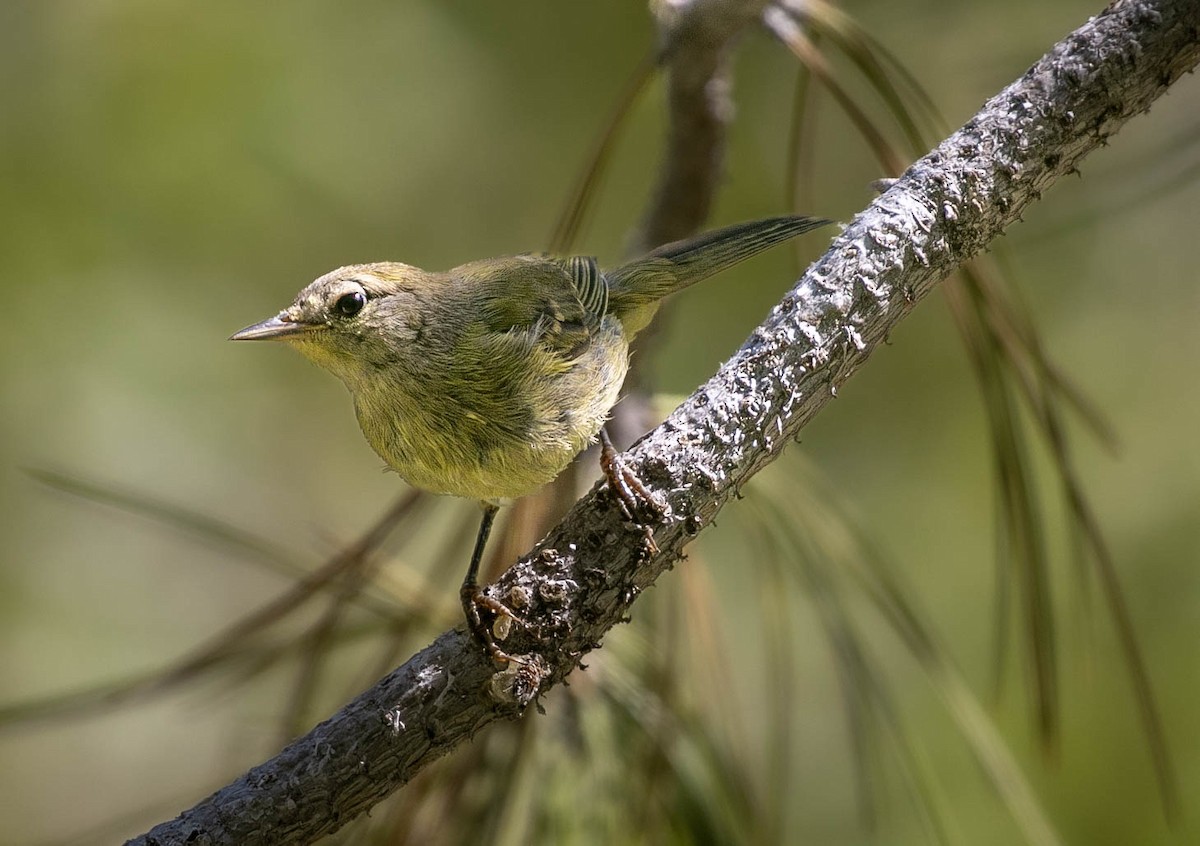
<point>588,285</point>
<point>557,302</point>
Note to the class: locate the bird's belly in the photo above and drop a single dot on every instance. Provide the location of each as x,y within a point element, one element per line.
<point>506,474</point>
<point>469,452</point>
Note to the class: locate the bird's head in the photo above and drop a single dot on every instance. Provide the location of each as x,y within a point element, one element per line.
<point>352,320</point>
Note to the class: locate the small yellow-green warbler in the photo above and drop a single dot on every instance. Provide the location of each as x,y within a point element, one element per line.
<point>484,381</point>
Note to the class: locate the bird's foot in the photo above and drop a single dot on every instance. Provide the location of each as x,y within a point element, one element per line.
<point>638,504</point>
<point>473,600</point>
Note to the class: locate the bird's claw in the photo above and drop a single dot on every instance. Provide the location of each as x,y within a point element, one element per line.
<point>639,505</point>
<point>473,599</point>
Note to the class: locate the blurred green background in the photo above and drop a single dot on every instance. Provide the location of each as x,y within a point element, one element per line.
<point>173,171</point>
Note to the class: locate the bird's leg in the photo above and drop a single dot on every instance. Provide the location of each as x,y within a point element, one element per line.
<point>638,505</point>
<point>473,597</point>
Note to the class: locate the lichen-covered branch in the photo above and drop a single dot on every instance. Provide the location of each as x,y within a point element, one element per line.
<point>587,573</point>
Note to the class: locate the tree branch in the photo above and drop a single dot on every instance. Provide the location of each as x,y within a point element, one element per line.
<point>585,575</point>
<point>698,42</point>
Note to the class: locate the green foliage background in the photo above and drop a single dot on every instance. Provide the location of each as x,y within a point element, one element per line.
<point>172,171</point>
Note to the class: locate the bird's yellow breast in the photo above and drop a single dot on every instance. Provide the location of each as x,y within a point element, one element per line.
<point>501,428</point>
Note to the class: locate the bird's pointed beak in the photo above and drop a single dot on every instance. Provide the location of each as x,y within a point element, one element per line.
<point>278,328</point>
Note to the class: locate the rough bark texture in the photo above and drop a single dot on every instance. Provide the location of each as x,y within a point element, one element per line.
<point>583,578</point>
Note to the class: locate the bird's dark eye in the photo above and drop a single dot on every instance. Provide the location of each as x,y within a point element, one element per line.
<point>350,304</point>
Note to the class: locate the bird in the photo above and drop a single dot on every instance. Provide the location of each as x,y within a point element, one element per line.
<point>486,380</point>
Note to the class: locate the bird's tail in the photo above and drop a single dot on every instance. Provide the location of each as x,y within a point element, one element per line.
<point>635,287</point>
